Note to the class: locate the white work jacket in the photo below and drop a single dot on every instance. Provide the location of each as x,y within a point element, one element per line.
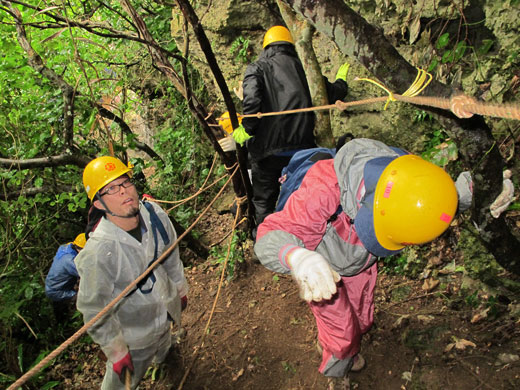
<point>110,261</point>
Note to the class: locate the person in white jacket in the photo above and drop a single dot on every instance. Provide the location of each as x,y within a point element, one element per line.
<point>136,332</point>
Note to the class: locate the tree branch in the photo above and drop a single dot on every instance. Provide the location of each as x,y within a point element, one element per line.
<point>127,130</point>
<point>27,192</point>
<point>205,45</point>
<point>357,38</point>
<point>36,62</point>
<point>42,162</point>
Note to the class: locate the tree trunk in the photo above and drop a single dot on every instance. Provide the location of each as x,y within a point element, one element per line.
<point>356,38</point>
<point>302,31</point>
<point>246,188</point>
<point>198,110</point>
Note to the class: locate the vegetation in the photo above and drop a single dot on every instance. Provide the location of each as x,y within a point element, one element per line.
<point>78,80</point>
<point>114,92</point>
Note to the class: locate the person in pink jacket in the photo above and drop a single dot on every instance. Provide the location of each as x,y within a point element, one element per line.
<point>387,199</point>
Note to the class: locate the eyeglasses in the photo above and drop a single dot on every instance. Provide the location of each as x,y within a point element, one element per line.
<point>114,189</point>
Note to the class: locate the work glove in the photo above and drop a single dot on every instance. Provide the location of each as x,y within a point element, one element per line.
<point>228,144</point>
<point>184,302</point>
<point>240,135</point>
<point>464,186</point>
<point>122,364</point>
<point>313,275</point>
<point>343,71</point>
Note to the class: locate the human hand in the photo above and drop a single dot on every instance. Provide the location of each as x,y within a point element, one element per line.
<point>316,279</point>
<point>228,144</point>
<point>240,135</point>
<point>343,71</point>
<point>122,364</point>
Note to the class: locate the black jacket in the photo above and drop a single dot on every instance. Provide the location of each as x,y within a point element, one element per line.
<point>277,82</point>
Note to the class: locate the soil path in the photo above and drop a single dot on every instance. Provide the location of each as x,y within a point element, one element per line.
<point>263,337</point>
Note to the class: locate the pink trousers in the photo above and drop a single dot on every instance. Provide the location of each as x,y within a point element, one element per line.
<point>343,319</point>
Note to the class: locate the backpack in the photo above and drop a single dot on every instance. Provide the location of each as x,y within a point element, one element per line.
<point>293,173</point>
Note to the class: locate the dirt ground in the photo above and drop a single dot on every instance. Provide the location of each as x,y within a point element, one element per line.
<point>263,336</point>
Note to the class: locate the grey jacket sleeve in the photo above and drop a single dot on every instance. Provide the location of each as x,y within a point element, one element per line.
<point>270,249</point>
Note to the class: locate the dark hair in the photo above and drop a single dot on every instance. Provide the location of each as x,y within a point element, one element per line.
<point>94,216</point>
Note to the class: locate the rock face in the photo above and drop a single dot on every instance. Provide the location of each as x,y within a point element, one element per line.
<point>474,49</point>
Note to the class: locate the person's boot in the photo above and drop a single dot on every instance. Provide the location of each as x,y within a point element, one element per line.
<point>359,360</point>
<point>334,383</point>
<point>359,363</point>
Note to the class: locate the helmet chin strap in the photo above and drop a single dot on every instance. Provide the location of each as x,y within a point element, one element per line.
<point>107,210</point>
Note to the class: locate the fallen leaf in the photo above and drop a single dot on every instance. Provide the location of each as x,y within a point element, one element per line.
<point>407,376</point>
<point>506,358</point>
<point>400,321</point>
<point>238,374</point>
<point>479,316</point>
<point>425,319</point>
<point>430,284</point>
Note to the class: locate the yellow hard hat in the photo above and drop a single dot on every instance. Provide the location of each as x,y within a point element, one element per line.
<point>225,122</point>
<point>80,240</point>
<point>414,202</point>
<point>277,34</point>
<point>101,171</point>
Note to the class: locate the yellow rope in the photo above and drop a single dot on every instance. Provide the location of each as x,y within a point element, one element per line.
<point>419,83</point>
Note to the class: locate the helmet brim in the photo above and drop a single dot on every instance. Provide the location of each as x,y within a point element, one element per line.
<point>364,221</point>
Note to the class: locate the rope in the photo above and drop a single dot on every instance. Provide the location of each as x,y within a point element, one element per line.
<point>224,267</point>
<point>92,321</point>
<point>461,105</point>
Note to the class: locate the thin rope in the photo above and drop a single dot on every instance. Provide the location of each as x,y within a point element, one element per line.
<point>224,267</point>
<point>20,381</point>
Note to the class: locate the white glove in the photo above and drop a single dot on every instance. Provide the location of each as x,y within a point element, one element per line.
<point>228,144</point>
<point>313,274</point>
<point>464,185</point>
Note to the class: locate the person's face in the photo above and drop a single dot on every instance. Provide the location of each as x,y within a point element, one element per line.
<point>120,197</point>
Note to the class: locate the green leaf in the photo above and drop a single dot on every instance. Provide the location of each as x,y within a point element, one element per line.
<point>50,385</point>
<point>433,65</point>
<point>447,57</point>
<point>443,40</point>
<point>459,51</point>
<point>29,292</point>
<point>486,45</point>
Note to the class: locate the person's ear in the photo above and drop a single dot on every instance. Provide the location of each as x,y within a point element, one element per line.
<point>97,204</point>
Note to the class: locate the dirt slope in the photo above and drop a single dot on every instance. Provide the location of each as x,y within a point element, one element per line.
<point>263,336</point>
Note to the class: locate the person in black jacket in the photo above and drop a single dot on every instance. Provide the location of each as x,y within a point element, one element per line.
<point>277,82</point>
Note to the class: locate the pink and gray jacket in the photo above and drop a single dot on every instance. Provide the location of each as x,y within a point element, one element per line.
<point>305,219</point>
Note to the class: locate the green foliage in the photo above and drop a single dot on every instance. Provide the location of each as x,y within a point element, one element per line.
<point>288,367</point>
<point>472,299</point>
<point>410,262</point>
<point>240,49</point>
<point>236,253</point>
<point>422,116</point>
<point>394,265</point>
<point>448,55</point>
<point>454,53</point>
<point>439,149</point>
<point>32,122</point>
